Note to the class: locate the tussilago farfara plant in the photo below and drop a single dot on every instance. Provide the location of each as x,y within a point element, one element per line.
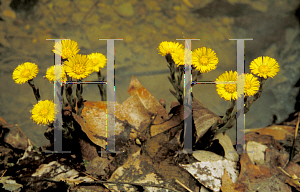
<point>73,66</point>
<point>205,60</point>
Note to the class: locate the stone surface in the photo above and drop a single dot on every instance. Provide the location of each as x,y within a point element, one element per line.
<point>125,10</point>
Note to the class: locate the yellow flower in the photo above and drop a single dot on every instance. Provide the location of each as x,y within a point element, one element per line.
<point>226,86</point>
<point>79,66</point>
<point>25,72</point>
<point>167,47</point>
<point>67,49</point>
<point>50,74</point>
<point>204,59</point>
<point>264,66</point>
<point>98,59</point>
<point>43,112</point>
<point>178,57</point>
<point>251,85</point>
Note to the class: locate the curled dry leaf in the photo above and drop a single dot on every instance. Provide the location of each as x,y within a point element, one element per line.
<point>153,106</point>
<point>16,139</point>
<point>279,132</point>
<point>94,122</point>
<point>135,111</point>
<point>203,118</point>
<point>175,119</point>
<point>147,99</point>
<point>226,143</point>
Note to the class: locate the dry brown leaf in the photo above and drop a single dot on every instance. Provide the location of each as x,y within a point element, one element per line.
<point>16,139</point>
<point>209,173</point>
<point>226,143</point>
<point>227,184</point>
<point>173,121</point>
<point>149,102</point>
<point>203,118</point>
<point>134,111</point>
<point>279,132</point>
<point>94,123</point>
<point>261,178</point>
<point>136,169</point>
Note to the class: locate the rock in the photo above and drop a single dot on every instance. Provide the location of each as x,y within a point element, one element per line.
<point>180,20</point>
<point>125,10</point>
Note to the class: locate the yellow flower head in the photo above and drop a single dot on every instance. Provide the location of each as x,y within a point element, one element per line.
<point>25,72</point>
<point>264,66</point>
<point>79,66</point>
<point>56,70</point>
<point>226,86</point>
<point>43,112</point>
<point>99,61</point>
<point>204,59</point>
<point>251,85</point>
<point>167,47</point>
<point>178,57</point>
<point>67,49</point>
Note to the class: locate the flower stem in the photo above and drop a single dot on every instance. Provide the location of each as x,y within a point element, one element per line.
<point>101,87</point>
<point>80,103</point>
<point>35,90</point>
<point>256,96</point>
<point>176,84</point>
<point>69,95</point>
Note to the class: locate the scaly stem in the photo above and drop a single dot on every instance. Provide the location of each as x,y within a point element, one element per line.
<point>176,84</point>
<point>101,87</point>
<point>35,90</point>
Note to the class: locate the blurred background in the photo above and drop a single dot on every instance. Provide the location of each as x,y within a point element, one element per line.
<point>143,25</point>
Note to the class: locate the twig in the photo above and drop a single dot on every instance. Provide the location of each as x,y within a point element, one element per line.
<point>90,176</point>
<point>116,183</point>
<point>3,174</point>
<point>183,185</point>
<point>294,141</point>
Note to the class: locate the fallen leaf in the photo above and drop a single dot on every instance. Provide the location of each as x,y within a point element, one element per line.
<point>227,184</point>
<point>202,155</point>
<point>261,178</point>
<point>94,122</point>
<point>203,118</point>
<point>209,173</point>
<point>279,132</point>
<point>137,169</point>
<point>226,143</point>
<point>147,99</point>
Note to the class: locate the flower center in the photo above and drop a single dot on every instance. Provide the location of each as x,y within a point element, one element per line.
<point>67,52</point>
<point>264,69</point>
<point>44,112</point>
<point>78,69</point>
<point>26,73</point>
<point>230,88</point>
<point>204,60</point>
